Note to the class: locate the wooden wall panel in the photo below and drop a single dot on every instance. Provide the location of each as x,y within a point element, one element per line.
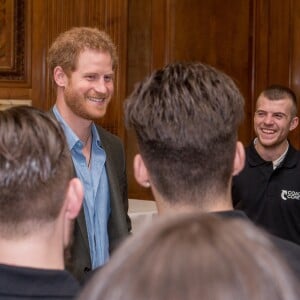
<point>108,15</point>
<point>294,60</point>
<point>216,35</point>
<point>254,41</point>
<point>39,42</point>
<point>190,30</point>
<point>272,40</point>
<point>276,49</point>
<point>43,21</point>
<point>15,50</point>
<point>139,62</point>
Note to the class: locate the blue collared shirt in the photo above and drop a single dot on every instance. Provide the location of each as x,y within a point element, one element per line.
<point>96,202</point>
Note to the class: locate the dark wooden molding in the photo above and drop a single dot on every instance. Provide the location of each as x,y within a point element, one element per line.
<point>14,55</point>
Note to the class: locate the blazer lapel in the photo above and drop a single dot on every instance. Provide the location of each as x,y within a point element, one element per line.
<point>81,222</point>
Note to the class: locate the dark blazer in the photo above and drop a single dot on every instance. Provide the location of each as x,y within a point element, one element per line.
<point>119,224</point>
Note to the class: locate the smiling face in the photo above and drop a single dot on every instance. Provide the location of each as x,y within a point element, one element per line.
<point>90,87</point>
<point>273,120</point>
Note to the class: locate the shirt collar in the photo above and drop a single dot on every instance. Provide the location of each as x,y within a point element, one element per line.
<point>71,137</point>
<point>279,160</point>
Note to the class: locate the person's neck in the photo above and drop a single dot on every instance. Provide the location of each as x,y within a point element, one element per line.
<point>80,126</point>
<point>33,252</point>
<point>220,203</point>
<point>271,153</point>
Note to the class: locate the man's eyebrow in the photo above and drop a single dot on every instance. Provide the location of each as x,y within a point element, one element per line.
<point>273,113</point>
<point>280,113</point>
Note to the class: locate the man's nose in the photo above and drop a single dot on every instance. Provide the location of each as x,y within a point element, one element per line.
<point>268,119</point>
<point>101,86</point>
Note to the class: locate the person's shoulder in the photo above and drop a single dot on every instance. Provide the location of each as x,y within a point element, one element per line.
<point>290,251</point>
<point>36,282</point>
<point>107,134</point>
<point>50,113</point>
<point>293,157</point>
<point>109,139</point>
<point>293,150</point>
<point>285,244</point>
<point>250,148</point>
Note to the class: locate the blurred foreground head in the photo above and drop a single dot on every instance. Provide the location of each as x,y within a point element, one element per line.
<point>194,256</point>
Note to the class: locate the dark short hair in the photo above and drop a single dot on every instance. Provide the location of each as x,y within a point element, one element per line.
<point>195,256</point>
<point>186,119</point>
<point>35,168</point>
<point>65,49</point>
<point>278,92</point>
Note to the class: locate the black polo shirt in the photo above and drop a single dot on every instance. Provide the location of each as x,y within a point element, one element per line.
<point>270,198</point>
<point>30,283</point>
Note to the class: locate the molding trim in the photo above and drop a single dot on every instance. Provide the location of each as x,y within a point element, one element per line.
<point>12,40</point>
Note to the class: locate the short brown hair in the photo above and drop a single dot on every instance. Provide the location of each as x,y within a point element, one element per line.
<point>35,168</point>
<point>278,92</point>
<point>66,48</point>
<point>186,118</point>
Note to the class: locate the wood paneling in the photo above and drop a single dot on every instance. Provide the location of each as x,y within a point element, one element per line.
<point>254,41</point>
<point>111,16</point>
<point>140,55</point>
<point>216,35</point>
<point>43,21</point>
<point>190,30</point>
<point>294,60</point>
<point>276,50</point>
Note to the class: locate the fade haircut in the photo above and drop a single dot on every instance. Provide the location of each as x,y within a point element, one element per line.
<point>35,169</point>
<point>278,92</point>
<point>186,119</point>
<point>65,50</point>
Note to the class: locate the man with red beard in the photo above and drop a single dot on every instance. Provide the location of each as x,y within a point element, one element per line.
<point>82,62</point>
<point>268,189</point>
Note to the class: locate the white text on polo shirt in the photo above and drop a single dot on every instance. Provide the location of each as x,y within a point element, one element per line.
<point>290,195</point>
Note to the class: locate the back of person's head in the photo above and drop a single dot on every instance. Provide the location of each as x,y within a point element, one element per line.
<point>35,169</point>
<point>186,119</point>
<point>194,256</point>
<point>66,48</point>
<point>279,92</point>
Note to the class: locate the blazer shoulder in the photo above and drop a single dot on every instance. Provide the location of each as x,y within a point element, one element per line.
<point>108,137</point>
<point>107,134</point>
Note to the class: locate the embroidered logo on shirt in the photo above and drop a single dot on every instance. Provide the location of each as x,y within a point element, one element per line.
<point>290,195</point>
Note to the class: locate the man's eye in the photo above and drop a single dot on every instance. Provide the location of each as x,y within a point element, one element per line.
<point>278,116</point>
<point>260,113</point>
<point>108,78</point>
<point>90,77</point>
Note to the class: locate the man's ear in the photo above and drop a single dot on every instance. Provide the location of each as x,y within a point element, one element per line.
<point>140,171</point>
<point>294,123</point>
<point>239,158</point>
<point>60,77</point>
<point>74,198</point>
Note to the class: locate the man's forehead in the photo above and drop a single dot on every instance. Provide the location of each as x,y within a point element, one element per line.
<point>274,104</point>
<point>93,59</point>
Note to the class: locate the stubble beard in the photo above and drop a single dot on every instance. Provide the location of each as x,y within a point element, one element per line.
<point>75,103</point>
